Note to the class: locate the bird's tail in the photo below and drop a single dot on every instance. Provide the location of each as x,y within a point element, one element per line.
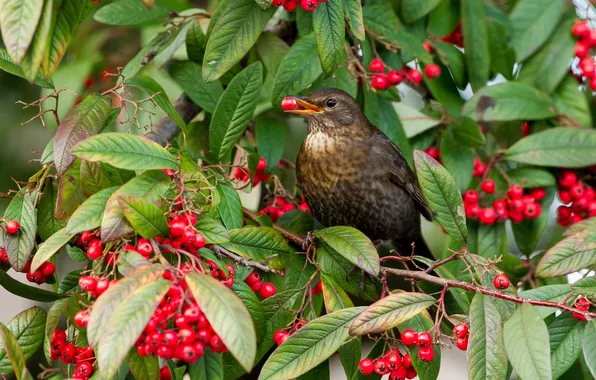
<point>419,248</point>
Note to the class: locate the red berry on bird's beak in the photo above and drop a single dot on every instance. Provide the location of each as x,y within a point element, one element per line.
<point>288,104</point>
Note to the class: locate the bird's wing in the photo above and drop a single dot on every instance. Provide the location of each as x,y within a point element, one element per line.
<point>388,155</point>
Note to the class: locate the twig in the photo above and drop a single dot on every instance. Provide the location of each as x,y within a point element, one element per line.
<point>437,264</point>
<point>165,130</point>
<point>285,233</point>
<point>241,260</point>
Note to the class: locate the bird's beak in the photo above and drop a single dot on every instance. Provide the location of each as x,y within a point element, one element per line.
<point>303,107</point>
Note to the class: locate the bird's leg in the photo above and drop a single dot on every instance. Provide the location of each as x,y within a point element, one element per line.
<point>309,240</point>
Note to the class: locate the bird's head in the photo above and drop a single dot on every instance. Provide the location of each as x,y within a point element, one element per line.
<point>327,110</point>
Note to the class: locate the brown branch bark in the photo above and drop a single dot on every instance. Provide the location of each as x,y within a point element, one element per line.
<point>241,260</point>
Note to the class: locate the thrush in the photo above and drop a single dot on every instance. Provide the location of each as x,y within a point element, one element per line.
<point>351,174</point>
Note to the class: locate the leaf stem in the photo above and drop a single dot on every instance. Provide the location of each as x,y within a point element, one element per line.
<point>241,260</point>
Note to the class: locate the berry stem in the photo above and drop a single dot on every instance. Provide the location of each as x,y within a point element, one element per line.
<point>242,261</point>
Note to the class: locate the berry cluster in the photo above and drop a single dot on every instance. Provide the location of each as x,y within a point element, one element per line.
<point>461,334</point>
<point>291,5</point>
<point>280,336</point>
<point>583,304</point>
<point>95,286</point>
<point>579,199</point>
<point>40,276</point>
<point>424,342</point>
<point>456,37</point>
<point>515,206</point>
<point>382,81</point>
<point>265,289</point>
<point>82,357</point>
<point>183,234</point>
<point>586,40</point>
<point>243,175</point>
<point>280,207</point>
<point>393,363</point>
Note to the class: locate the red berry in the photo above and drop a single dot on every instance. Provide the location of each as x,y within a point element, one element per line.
<point>381,367</point>
<point>501,281</point>
<point>415,76</point>
<point>87,283</point>
<point>277,3</point>
<point>13,227</point>
<point>298,325</point>
<point>189,236</point>
<point>290,6</point>
<point>525,127</point>
<point>379,81</point>
<point>192,314</point>
<point>471,197</point>
<point>538,193</point>
<point>434,152</point>
<point>533,210</point>
<point>567,178</point>
<point>366,366</point>
<point>169,339</point>
<point>164,373</point>
<point>216,344</point>
<point>176,228</point>
<point>487,216</point>
<point>428,47</point>
<point>393,360</point>
<point>56,348</point>
<point>144,247</point>
<point>426,354</point>
<point>85,369</point>
<point>580,29</point>
<point>68,353</point>
<point>432,71</point>
<point>165,352</point>
<point>309,5</point>
<point>577,191</point>
<point>255,286</point>
<point>565,196</point>
<point>472,211</point>
<point>586,65</point>
<point>3,256</point>
<point>81,318</point>
<point>581,49</point>
<point>267,290</point>
<point>407,361</point>
<point>583,303</point>
<point>409,337</point>
<point>102,285</point>
<point>462,343</point>
<point>47,269</point>
<point>289,104</point>
<point>95,250</point>
<point>376,66</point>
<point>488,186</point>
<point>262,165</point>
<point>280,336</point>
<point>460,330</point>
<point>424,340</point>
<point>58,335</point>
<point>398,373</point>
<point>395,77</point>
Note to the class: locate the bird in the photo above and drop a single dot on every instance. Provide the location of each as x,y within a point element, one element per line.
<point>351,174</point>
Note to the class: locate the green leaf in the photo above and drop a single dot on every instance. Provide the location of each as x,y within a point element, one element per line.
<point>126,323</point>
<point>69,15</point>
<point>411,45</point>
<point>414,121</point>
<point>299,69</point>
<point>328,24</point>
<point>531,177</point>
<point>509,101</point>
<point>260,244</point>
<point>589,346</point>
<point>475,30</point>
<point>253,305</point>
<point>350,354</point>
<point>7,65</point>
<point>54,313</point>
<point>151,186</point>
<point>228,317</point>
<point>25,291</point>
<point>230,206</point>
<point>412,10</point>
<point>353,245</point>
<point>116,296</point>
<point>47,223</point>
<point>533,21</point>
<point>443,19</point>
<point>125,151</point>
<point>18,247</point>
<point>69,282</point>
<point>93,178</point>
<point>303,22</point>
<point>28,329</point>
<point>502,54</point>
<point>565,343</point>
<point>12,352</point>
<point>271,140</point>
<point>47,156</point>
<point>558,147</point>
<point>89,214</point>
<point>467,132</point>
<point>309,346</point>
<point>380,18</point>
<point>154,89</point>
<point>528,232</point>
<point>527,343</point>
<point>70,191</point>
<point>334,296</point>
<point>455,60</point>
<point>442,195</point>
<point>492,241</point>
<point>31,62</point>
<point>188,75</point>
<point>236,31</point>
<point>487,358</point>
<point>341,79</point>
<point>570,104</point>
<point>234,110</point>
<point>83,121</point>
<point>353,9</point>
<point>49,247</point>
<point>549,66</point>
<point>18,21</point>
<point>389,312</point>
<point>143,368</point>
<point>457,159</point>
<point>146,218</point>
<point>129,13</point>
<point>129,261</point>
<point>196,42</point>
<point>209,366</point>
<point>213,231</point>
<point>571,254</point>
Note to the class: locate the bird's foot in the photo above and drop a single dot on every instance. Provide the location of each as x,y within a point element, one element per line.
<point>309,241</point>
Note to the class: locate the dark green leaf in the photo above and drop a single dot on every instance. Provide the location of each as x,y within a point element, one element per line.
<point>7,65</point>
<point>47,223</point>
<point>196,42</point>
<point>234,110</point>
<point>260,244</point>
<point>353,245</point>
<point>213,231</point>
<point>509,101</point>
<point>531,177</point>
<point>18,21</point>
<point>492,241</point>
<point>228,316</point>
<point>589,346</point>
<point>29,292</point>
<point>457,159</point>
<point>565,343</point>
<point>443,197</point>
<point>188,75</point>
<point>70,191</point>
<point>328,24</point>
<point>475,30</point>
<point>271,140</point>
<point>454,59</point>
<point>14,361</point>
<point>18,247</point>
<point>527,343</point>
<point>467,132</point>
<point>31,63</point>
<point>129,13</point>
<point>143,368</point>
<point>443,19</point>
<point>502,54</point>
<point>230,206</point>
<point>341,79</point>
<point>412,10</point>
<point>380,18</point>
<point>28,329</point>
<point>571,105</point>
<point>554,293</point>
<point>209,366</point>
<point>89,214</point>
<point>93,178</point>
<point>146,218</point>
<point>69,282</point>
<point>49,247</point>
<point>528,232</point>
<point>303,22</point>
<point>235,32</point>
<point>353,9</point>
<point>253,305</point>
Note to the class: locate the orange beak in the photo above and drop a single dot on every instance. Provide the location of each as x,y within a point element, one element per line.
<point>303,108</point>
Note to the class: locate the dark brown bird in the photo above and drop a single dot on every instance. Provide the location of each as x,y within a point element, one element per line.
<point>351,174</point>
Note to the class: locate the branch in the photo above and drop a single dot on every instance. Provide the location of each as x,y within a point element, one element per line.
<point>241,260</point>
<point>165,130</point>
<point>423,276</point>
<point>285,233</point>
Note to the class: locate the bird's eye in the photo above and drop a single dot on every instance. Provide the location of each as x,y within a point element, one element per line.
<point>330,103</point>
